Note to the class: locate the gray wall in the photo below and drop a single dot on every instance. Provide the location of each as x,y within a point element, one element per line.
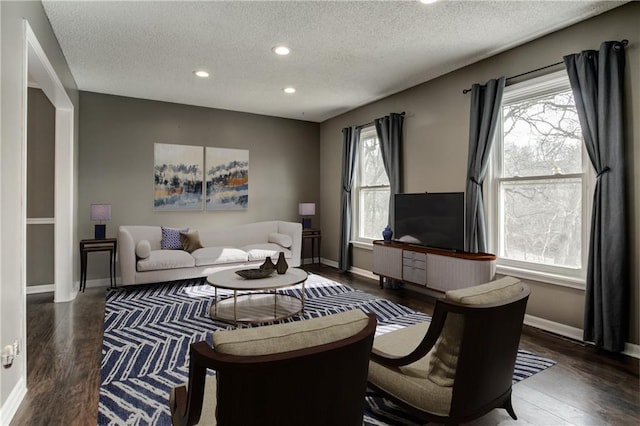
<point>12,250</point>
<point>436,138</point>
<point>117,135</point>
<point>40,187</point>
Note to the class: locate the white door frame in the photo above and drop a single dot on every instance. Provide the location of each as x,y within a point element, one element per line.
<point>39,68</point>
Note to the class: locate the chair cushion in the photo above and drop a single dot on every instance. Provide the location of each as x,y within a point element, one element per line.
<point>409,381</point>
<point>491,292</point>
<point>166,259</point>
<point>219,255</point>
<point>208,414</point>
<point>290,336</point>
<point>444,355</point>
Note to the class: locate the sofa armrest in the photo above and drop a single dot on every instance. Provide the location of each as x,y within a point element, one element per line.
<point>127,256</point>
<point>294,230</point>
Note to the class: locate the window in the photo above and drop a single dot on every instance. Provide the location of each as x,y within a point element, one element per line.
<point>371,189</point>
<point>539,187</point>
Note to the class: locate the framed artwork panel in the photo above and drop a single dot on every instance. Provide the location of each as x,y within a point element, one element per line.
<point>177,177</point>
<point>227,178</point>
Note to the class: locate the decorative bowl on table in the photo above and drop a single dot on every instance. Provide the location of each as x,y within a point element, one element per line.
<point>252,274</point>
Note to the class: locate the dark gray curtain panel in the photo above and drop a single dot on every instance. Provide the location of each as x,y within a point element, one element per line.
<point>350,138</point>
<point>389,130</point>
<point>597,82</point>
<point>486,104</point>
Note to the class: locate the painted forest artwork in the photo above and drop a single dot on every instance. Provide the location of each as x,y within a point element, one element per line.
<point>227,178</point>
<point>177,177</point>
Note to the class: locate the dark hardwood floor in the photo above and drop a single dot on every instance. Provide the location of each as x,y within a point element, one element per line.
<point>64,342</point>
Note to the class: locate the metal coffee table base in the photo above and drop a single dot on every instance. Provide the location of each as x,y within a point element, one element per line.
<point>256,307</point>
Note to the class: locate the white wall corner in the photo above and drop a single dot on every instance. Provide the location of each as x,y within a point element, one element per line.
<point>362,272</point>
<point>10,407</point>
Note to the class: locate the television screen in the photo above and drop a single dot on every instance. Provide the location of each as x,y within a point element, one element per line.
<point>430,219</point>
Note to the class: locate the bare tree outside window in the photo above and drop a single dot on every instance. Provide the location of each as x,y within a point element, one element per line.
<point>372,186</point>
<point>540,182</point>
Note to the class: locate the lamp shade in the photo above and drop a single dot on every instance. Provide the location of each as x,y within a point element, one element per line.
<point>100,211</point>
<point>307,209</point>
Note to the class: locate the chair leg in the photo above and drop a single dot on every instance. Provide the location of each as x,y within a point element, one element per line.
<point>507,406</point>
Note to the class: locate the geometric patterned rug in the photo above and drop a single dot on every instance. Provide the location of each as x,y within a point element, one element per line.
<point>148,330</point>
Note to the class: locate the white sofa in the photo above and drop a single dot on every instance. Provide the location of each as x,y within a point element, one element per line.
<point>143,261</point>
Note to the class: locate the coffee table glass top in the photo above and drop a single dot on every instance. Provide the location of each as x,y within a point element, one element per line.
<point>228,279</point>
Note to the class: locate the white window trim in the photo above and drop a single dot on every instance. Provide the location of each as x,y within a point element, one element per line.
<point>357,241</point>
<point>543,273</point>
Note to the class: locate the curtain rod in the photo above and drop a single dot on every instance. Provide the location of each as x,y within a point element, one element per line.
<point>373,122</point>
<point>624,42</point>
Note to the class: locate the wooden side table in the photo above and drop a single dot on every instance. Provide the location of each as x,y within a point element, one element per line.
<point>315,237</point>
<point>90,246</point>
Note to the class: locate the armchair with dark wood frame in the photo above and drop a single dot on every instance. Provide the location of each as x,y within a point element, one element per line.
<point>486,355</point>
<point>316,385</point>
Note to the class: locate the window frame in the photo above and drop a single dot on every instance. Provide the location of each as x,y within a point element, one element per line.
<point>563,276</point>
<point>356,238</point>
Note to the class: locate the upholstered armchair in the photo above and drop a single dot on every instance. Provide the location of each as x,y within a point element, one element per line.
<point>459,366</point>
<point>311,372</point>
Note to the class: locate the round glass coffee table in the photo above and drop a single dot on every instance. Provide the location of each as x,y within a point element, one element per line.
<point>256,300</point>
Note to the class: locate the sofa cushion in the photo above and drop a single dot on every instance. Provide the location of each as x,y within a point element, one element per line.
<point>218,255</point>
<point>171,238</point>
<point>143,249</point>
<point>283,240</point>
<point>290,336</point>
<point>190,241</point>
<point>446,349</point>
<point>261,251</point>
<point>166,259</point>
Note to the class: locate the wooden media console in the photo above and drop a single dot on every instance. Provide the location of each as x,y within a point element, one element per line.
<point>438,270</point>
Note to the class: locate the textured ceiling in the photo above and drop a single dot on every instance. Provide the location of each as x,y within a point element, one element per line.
<point>344,54</point>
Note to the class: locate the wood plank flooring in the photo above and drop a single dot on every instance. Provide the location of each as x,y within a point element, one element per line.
<point>64,342</point>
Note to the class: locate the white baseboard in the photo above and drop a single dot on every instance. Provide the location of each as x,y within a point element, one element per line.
<point>574,333</point>
<point>44,288</point>
<point>554,327</point>
<point>10,406</point>
<point>632,350</point>
<point>353,269</point>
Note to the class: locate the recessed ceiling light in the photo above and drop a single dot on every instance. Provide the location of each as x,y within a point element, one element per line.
<point>427,1</point>
<point>289,90</point>
<point>281,50</point>
<point>201,73</point>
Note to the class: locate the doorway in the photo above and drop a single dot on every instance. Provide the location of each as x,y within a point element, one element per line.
<point>39,70</point>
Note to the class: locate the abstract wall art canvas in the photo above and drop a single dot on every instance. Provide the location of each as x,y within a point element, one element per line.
<point>227,178</point>
<point>177,177</point>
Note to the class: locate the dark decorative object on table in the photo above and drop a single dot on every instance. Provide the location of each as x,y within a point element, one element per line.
<point>268,264</point>
<point>281,266</point>
<point>252,274</point>
<point>387,233</point>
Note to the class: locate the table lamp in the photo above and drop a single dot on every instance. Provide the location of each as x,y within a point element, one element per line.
<point>306,209</point>
<point>100,212</point>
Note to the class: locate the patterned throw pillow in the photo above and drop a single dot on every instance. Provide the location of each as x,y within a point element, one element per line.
<point>171,238</point>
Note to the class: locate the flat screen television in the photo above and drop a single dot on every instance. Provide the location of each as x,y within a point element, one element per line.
<point>431,219</point>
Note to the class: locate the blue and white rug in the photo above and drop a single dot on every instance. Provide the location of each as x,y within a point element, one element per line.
<point>148,330</point>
